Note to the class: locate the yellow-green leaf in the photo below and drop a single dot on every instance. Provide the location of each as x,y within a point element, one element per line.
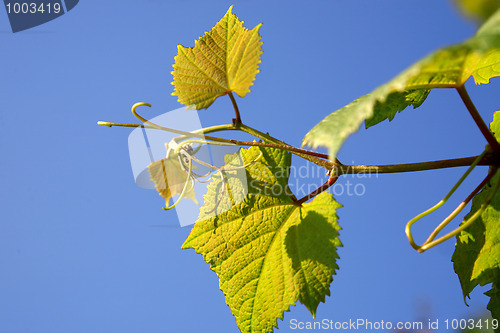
<point>478,10</point>
<point>170,177</point>
<point>224,60</point>
<point>267,250</point>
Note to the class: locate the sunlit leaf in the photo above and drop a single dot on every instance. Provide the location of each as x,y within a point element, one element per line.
<point>449,67</point>
<point>478,10</point>
<point>225,59</point>
<point>170,177</point>
<point>267,251</point>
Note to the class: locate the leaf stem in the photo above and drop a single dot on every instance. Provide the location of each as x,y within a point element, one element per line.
<point>275,143</point>
<point>237,120</point>
<point>338,169</point>
<point>317,191</point>
<point>495,146</point>
<point>198,134</point>
<point>266,137</point>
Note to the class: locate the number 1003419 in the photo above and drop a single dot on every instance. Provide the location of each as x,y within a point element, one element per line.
<point>471,324</point>
<point>33,8</point>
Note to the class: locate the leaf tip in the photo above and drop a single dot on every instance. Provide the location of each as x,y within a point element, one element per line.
<point>185,245</point>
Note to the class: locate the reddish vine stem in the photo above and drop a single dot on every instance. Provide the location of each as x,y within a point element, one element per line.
<point>237,120</point>
<point>317,191</point>
<point>480,186</point>
<point>495,146</point>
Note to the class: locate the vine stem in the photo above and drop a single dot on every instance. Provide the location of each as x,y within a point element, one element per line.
<point>311,156</point>
<point>317,191</point>
<point>323,163</point>
<point>334,167</point>
<point>488,159</point>
<point>495,146</point>
<point>337,169</point>
<point>237,120</point>
<point>197,133</point>
<point>308,155</point>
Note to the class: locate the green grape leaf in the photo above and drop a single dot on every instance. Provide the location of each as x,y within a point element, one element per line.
<point>449,67</point>
<point>476,259</point>
<point>169,177</point>
<point>226,59</point>
<point>477,254</point>
<point>495,125</point>
<point>478,10</point>
<point>494,304</point>
<point>268,251</point>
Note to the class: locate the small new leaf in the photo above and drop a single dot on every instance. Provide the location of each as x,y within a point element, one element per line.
<point>268,251</point>
<point>225,59</point>
<point>449,67</point>
<point>170,177</point>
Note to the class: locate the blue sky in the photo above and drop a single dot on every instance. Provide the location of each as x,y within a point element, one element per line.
<point>84,249</point>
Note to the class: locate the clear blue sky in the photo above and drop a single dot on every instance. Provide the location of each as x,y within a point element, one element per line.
<point>83,249</point>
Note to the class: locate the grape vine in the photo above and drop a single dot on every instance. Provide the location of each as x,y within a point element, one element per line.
<point>271,249</point>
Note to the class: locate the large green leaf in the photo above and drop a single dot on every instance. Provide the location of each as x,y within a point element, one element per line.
<point>268,251</point>
<point>225,59</point>
<point>477,254</point>
<point>494,304</point>
<point>449,67</point>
